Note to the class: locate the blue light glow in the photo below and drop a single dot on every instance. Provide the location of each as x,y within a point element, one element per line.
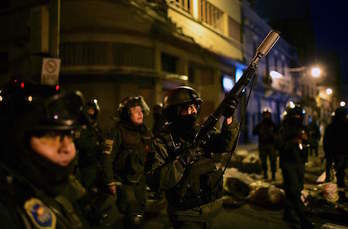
<point>239,73</point>
<point>227,83</point>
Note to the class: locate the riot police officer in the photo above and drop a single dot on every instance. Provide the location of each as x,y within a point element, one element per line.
<point>124,162</point>
<point>266,130</point>
<point>90,146</point>
<point>193,190</point>
<point>335,145</point>
<point>293,144</point>
<point>37,143</point>
<point>314,136</point>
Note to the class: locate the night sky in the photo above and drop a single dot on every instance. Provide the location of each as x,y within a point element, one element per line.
<point>319,31</point>
<point>331,30</point>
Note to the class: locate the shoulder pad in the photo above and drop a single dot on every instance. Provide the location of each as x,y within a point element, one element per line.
<point>40,215</point>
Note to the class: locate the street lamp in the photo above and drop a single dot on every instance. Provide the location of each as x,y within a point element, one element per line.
<point>315,72</point>
<point>329,91</point>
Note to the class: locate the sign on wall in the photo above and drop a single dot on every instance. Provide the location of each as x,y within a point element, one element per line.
<point>50,71</point>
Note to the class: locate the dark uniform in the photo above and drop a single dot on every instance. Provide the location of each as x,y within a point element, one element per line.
<point>336,146</point>
<point>90,146</point>
<point>314,137</point>
<point>125,162</point>
<point>37,191</point>
<point>293,155</point>
<point>99,207</point>
<point>266,130</point>
<point>158,119</point>
<point>193,190</point>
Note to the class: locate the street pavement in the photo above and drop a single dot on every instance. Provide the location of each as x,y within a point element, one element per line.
<point>247,215</point>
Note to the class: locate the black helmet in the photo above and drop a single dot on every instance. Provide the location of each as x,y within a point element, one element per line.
<point>178,98</point>
<point>341,113</point>
<point>93,103</point>
<point>266,111</point>
<point>123,109</point>
<point>27,107</point>
<point>294,111</point>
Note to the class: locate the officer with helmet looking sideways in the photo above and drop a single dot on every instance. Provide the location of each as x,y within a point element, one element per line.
<point>124,162</point>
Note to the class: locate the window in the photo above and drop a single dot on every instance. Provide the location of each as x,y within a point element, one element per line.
<point>234,29</point>
<point>169,63</point>
<point>182,4</point>
<point>211,15</point>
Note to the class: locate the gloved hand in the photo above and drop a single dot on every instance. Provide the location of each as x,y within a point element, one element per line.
<point>188,157</point>
<point>231,106</point>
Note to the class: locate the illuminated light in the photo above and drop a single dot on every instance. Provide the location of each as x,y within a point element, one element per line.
<point>195,9</point>
<point>315,71</point>
<point>95,101</point>
<point>183,77</point>
<point>342,103</point>
<point>303,111</point>
<point>275,75</point>
<point>30,98</point>
<point>1,98</point>
<point>329,91</point>
<point>239,73</point>
<point>15,81</point>
<point>176,76</point>
<point>291,104</point>
<point>55,117</point>
<point>267,109</point>
<point>227,83</point>
<point>57,87</point>
<point>22,85</point>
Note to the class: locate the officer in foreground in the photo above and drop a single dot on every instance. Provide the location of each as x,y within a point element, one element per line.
<point>266,130</point>
<point>293,144</point>
<point>124,162</point>
<point>37,154</point>
<point>189,177</point>
<point>336,146</point>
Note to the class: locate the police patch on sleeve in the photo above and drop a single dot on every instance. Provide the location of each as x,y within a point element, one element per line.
<point>40,215</point>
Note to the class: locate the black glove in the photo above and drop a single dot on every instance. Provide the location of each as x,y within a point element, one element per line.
<point>188,157</point>
<point>230,107</point>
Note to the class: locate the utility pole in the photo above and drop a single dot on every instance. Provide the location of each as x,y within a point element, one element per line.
<point>54,17</point>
